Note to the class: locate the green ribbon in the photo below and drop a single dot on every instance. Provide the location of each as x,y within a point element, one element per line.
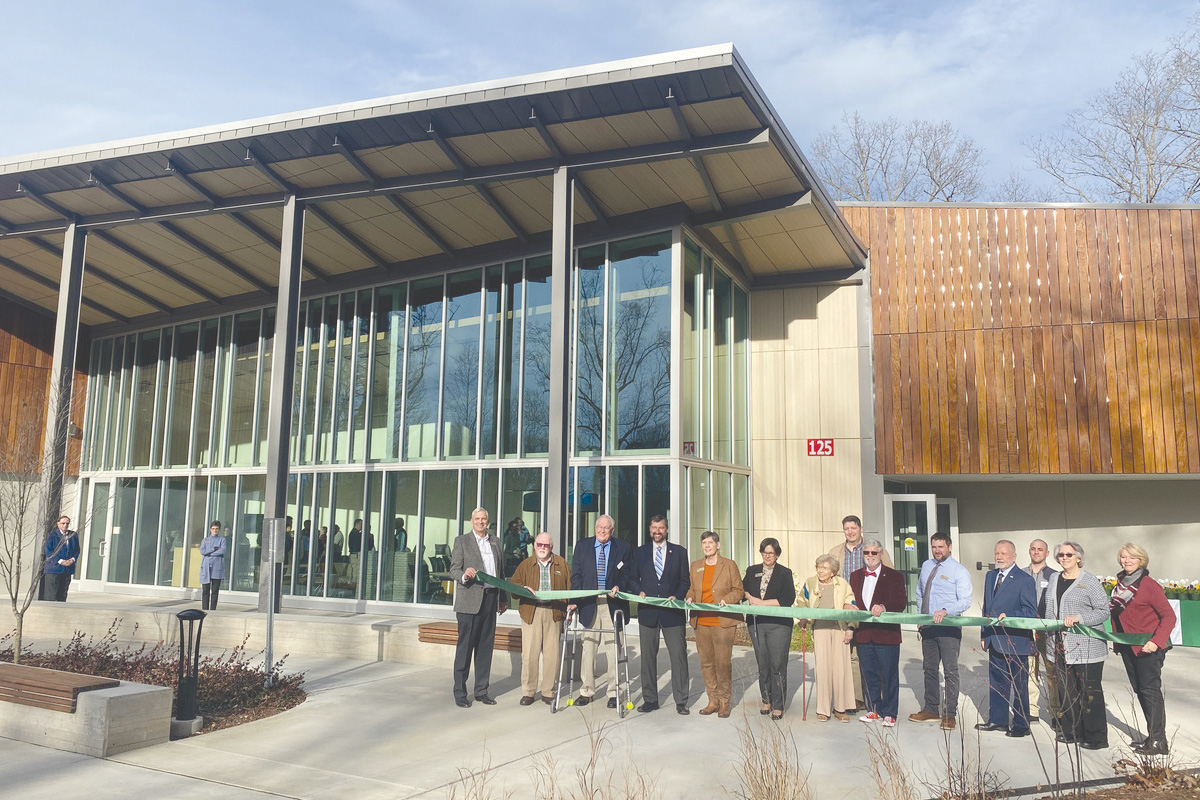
<point>836,614</point>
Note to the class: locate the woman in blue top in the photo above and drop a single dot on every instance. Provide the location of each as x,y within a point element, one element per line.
<point>212,565</point>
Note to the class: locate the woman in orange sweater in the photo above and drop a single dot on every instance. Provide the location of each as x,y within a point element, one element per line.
<point>715,579</point>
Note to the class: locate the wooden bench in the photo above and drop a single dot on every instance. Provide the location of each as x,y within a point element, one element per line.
<point>47,688</point>
<point>508,638</point>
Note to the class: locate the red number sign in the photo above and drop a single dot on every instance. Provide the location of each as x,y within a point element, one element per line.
<point>820,447</point>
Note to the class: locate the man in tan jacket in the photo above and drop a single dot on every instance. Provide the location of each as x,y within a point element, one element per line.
<point>849,556</point>
<point>541,621</point>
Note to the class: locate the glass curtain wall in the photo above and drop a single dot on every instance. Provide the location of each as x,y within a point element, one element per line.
<point>413,403</point>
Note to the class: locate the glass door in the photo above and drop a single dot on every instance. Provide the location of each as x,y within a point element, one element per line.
<point>95,530</point>
<point>910,519</point>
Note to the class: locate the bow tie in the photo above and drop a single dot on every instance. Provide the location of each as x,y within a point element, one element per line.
<point>870,575</point>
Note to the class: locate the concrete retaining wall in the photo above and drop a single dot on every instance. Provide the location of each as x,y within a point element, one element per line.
<point>106,721</point>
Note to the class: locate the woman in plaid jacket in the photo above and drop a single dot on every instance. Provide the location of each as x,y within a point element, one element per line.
<point>1075,596</point>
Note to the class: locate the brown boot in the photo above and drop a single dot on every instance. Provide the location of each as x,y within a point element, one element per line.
<point>723,711</point>
<point>711,708</point>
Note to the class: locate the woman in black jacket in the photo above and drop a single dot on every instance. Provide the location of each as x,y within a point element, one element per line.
<point>770,584</point>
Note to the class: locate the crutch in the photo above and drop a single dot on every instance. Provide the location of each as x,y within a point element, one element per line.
<point>621,654</point>
<point>568,646</point>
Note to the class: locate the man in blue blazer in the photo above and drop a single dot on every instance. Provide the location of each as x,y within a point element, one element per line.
<point>660,569</point>
<point>1008,591</point>
<point>599,562</point>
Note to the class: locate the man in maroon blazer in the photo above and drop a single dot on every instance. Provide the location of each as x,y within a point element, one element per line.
<point>877,589</point>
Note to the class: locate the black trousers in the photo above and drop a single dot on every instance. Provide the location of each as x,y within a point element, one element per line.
<point>208,594</point>
<point>1082,699</point>
<point>1145,675</point>
<point>676,638</point>
<point>55,586</point>
<point>476,638</point>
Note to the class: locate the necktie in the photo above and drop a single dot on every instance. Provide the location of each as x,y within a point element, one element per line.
<point>999,580</point>
<point>869,575</point>
<point>601,568</point>
<point>929,587</point>
<point>658,561</point>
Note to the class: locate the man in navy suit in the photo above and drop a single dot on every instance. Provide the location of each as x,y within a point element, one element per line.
<point>660,569</point>
<point>1008,591</point>
<point>599,562</point>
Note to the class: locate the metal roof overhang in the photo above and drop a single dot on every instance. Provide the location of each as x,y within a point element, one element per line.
<point>189,221</point>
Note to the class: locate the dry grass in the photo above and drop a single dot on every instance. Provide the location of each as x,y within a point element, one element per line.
<point>769,765</point>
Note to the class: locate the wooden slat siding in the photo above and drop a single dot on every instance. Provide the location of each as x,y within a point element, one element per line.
<point>1046,341</point>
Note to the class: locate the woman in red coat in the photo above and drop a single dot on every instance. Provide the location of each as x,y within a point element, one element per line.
<point>1139,605</point>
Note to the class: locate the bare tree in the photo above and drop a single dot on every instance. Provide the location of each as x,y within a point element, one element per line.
<point>1138,142</point>
<point>26,514</point>
<point>889,160</point>
<point>1017,189</point>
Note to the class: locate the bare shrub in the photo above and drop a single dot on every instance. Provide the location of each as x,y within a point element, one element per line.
<point>769,766</point>
<point>888,769</point>
<point>597,777</point>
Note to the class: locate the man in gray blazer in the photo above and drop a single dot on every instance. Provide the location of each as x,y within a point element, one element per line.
<point>476,606</point>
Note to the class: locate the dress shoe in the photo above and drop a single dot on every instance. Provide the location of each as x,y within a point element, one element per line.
<point>646,708</point>
<point>842,716</point>
<point>1149,748</point>
<point>527,701</point>
<point>949,723</point>
<point>776,715</point>
<point>583,700</point>
<point>924,716</point>
<point>1064,739</point>
<point>989,726</point>
<point>612,702</point>
<point>711,708</point>
<point>462,702</point>
<point>681,709</point>
<point>548,700</point>
<point>1094,745</point>
<point>487,701</point>
<point>766,709</point>
<point>1017,733</point>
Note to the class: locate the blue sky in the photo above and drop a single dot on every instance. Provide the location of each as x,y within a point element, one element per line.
<point>79,72</point>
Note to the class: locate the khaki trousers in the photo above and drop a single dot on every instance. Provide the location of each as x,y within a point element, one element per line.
<point>539,650</point>
<point>591,644</point>
<point>1041,667</point>
<point>835,686</point>
<point>715,648</point>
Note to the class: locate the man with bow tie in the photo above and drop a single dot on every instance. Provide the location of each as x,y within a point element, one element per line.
<point>878,588</point>
<point>1008,591</point>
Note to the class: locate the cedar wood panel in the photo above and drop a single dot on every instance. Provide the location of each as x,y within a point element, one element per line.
<point>1051,340</point>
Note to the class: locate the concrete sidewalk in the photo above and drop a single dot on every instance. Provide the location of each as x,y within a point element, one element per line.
<point>379,729</point>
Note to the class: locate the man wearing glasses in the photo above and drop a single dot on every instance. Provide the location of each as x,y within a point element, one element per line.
<point>878,588</point>
<point>541,620</point>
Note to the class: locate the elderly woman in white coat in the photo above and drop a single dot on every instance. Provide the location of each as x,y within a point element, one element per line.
<point>1076,596</point>
<point>212,565</point>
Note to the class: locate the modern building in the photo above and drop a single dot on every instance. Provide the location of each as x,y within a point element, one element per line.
<point>614,289</point>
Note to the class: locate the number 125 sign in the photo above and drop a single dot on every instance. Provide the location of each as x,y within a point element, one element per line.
<point>820,447</point>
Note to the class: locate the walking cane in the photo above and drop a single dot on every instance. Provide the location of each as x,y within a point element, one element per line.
<point>803,674</point>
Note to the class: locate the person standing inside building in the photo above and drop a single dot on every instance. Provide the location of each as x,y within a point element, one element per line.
<point>600,562</point>
<point>541,620</point>
<point>1041,665</point>
<point>476,605</point>
<point>660,569</point>
<point>1076,597</point>
<point>878,588</point>
<point>943,589</point>
<point>60,554</point>
<point>212,566</point>
<point>850,555</point>
<point>1008,592</point>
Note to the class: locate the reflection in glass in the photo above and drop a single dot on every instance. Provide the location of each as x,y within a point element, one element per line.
<point>401,503</point>
<point>623,503</point>
<point>535,391</point>
<point>264,382</point>
<point>639,342</point>
<point>171,544</point>
<point>460,397</point>
<point>589,501</point>
<point>124,410</point>
<point>207,358</point>
<point>439,527</point>
<point>589,351</point>
<point>358,386</point>
<point>388,369</point>
<point>93,566</point>
<point>162,391</point>
<point>490,365</point>
<point>197,529</point>
<point>98,432</point>
<point>312,375</point>
<point>342,402</point>
<point>326,400</point>
<point>519,515</point>
<point>123,531</point>
<point>186,339</point>
<point>242,399</point>
<point>514,315</point>
<point>656,494</point>
<point>145,378</point>
<point>145,535</point>
<point>423,368</point>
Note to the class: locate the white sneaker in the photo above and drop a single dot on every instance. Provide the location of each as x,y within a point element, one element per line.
<point>870,716</point>
<point>889,722</point>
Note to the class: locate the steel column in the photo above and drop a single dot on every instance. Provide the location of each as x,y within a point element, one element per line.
<point>62,373</point>
<point>563,219</point>
<point>283,369</point>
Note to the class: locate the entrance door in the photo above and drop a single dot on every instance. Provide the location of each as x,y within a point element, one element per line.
<point>97,516</point>
<point>910,519</point>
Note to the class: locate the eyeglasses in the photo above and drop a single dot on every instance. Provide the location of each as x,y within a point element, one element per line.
<point>870,552</point>
<point>1065,555</point>
<point>768,552</point>
<point>540,545</point>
